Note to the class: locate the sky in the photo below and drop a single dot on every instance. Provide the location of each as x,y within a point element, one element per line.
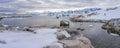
<point>45,5</point>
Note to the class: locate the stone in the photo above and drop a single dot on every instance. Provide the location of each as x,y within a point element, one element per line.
<point>60,36</point>
<point>2,42</point>
<point>80,29</point>
<point>31,30</point>
<point>112,26</point>
<point>82,42</point>
<point>70,43</point>
<point>2,28</point>
<point>52,46</point>
<point>64,23</point>
<point>117,29</point>
<point>86,42</point>
<point>71,31</point>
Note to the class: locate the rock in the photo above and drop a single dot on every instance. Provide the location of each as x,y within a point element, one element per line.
<point>76,43</point>
<point>80,29</point>
<point>2,28</point>
<point>60,36</point>
<point>2,42</point>
<point>85,40</point>
<point>112,25</point>
<point>64,23</point>
<point>30,30</point>
<point>52,46</point>
<point>55,45</point>
<point>117,29</point>
<point>71,31</point>
<point>71,43</point>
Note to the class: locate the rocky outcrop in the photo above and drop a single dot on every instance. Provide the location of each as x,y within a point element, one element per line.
<point>72,31</point>
<point>64,23</point>
<point>76,41</point>
<point>79,42</point>
<point>112,25</point>
<point>53,46</point>
<point>2,28</point>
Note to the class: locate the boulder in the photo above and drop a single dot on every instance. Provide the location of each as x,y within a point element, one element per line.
<point>76,44</point>
<point>2,42</point>
<point>117,29</point>
<point>31,30</point>
<point>86,42</point>
<point>80,29</point>
<point>60,36</point>
<point>71,43</point>
<point>112,25</point>
<point>2,28</point>
<point>72,31</point>
<point>52,46</point>
<point>64,23</point>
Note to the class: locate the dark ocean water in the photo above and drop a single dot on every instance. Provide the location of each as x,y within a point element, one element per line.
<point>32,21</point>
<point>99,37</point>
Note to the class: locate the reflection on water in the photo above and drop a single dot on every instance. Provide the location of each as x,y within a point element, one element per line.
<point>113,33</point>
<point>99,37</point>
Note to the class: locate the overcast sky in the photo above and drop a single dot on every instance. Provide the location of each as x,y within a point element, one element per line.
<point>54,4</point>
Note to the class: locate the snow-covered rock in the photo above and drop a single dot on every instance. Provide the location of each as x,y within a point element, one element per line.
<point>112,26</point>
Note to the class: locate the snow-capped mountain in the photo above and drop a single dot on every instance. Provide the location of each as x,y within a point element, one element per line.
<point>106,13</point>
<point>90,13</point>
<point>73,12</point>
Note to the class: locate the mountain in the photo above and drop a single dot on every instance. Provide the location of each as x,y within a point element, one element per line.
<point>106,13</point>
<point>90,13</point>
<point>73,12</point>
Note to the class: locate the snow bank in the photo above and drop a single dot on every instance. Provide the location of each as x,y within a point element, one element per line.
<point>42,38</point>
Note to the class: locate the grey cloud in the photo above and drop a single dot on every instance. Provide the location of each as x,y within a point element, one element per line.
<point>55,4</point>
<point>6,1</point>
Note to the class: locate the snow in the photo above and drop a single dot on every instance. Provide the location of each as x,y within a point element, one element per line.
<point>109,14</point>
<point>21,39</point>
<point>114,34</point>
<point>65,33</point>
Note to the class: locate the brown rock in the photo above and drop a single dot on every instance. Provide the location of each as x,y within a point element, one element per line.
<point>71,31</point>
<point>2,28</point>
<point>86,42</point>
<point>53,46</point>
<point>80,42</point>
<point>117,29</point>
<point>2,42</point>
<point>60,36</point>
<point>71,43</point>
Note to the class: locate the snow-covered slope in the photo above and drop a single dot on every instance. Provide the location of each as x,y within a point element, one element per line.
<point>21,39</point>
<point>106,13</point>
